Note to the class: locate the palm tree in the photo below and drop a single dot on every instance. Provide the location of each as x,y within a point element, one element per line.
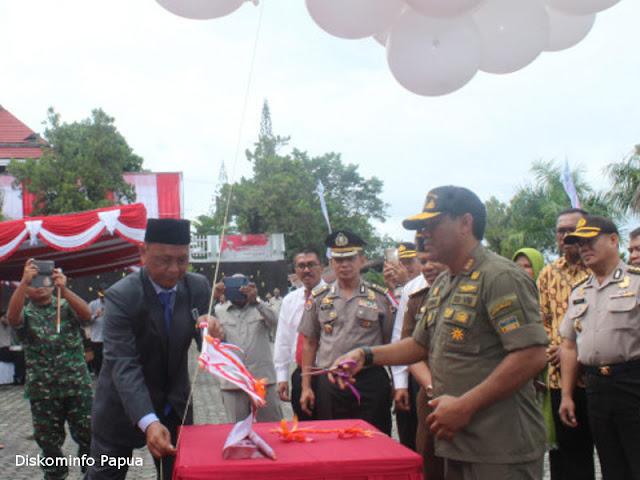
<point>625,176</point>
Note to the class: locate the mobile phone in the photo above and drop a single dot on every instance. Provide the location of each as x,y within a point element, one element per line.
<point>391,255</point>
<point>232,287</point>
<point>45,269</point>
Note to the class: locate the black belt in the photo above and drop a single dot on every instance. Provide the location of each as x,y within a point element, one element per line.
<point>614,369</point>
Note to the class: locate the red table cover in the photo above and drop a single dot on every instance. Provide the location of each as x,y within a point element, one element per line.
<point>326,458</point>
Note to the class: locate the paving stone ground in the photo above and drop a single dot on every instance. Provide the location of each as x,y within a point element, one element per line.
<point>16,429</point>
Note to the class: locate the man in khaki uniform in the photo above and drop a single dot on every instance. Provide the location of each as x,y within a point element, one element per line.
<point>337,318</point>
<point>245,323</point>
<point>482,334</point>
<point>601,333</point>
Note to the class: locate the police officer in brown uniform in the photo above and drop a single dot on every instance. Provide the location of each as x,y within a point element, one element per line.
<point>601,333</point>
<point>337,318</point>
<point>484,340</point>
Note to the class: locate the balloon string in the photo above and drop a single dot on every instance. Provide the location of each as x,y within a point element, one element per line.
<point>228,200</point>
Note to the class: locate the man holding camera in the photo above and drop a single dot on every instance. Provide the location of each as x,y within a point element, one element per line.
<point>245,321</point>
<point>58,383</point>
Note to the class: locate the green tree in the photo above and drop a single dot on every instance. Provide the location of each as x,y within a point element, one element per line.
<point>282,197</point>
<point>212,223</point>
<point>625,176</point>
<point>81,165</point>
<point>530,218</point>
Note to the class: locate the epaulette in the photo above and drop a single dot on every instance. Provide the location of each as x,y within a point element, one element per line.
<point>577,284</point>
<point>422,291</point>
<point>378,288</point>
<point>320,290</point>
<point>634,270</point>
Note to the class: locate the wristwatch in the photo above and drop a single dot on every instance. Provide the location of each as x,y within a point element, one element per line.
<point>368,356</point>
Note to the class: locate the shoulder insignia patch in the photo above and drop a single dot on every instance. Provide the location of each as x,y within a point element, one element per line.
<point>468,264</point>
<point>417,293</point>
<point>320,290</point>
<point>378,288</point>
<point>509,324</point>
<point>634,270</point>
<point>577,284</point>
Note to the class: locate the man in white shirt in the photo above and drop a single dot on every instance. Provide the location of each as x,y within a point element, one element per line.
<point>405,386</point>
<point>288,342</point>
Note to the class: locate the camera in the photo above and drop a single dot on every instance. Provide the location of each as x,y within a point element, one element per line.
<point>45,269</point>
<point>232,287</point>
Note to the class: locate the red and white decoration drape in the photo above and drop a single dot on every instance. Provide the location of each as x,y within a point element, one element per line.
<point>84,243</point>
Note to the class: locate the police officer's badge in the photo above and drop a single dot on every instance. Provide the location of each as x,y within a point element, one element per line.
<point>577,325</point>
<point>341,240</point>
<point>457,334</point>
<point>624,283</point>
<point>462,317</point>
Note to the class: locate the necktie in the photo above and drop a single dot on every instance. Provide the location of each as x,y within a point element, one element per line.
<point>300,336</point>
<point>165,299</point>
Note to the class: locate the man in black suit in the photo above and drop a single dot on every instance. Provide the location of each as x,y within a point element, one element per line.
<point>149,322</point>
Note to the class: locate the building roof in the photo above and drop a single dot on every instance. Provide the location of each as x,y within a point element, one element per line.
<point>16,139</point>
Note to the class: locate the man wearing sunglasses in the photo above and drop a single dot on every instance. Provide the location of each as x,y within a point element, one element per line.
<point>601,333</point>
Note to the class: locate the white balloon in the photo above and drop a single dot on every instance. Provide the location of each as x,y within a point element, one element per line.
<point>354,18</point>
<point>513,33</point>
<point>433,56</point>
<point>381,37</point>
<point>581,7</point>
<point>566,30</point>
<point>201,9</point>
<point>443,8</point>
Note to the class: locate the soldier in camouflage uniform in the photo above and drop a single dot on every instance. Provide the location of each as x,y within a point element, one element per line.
<point>58,383</point>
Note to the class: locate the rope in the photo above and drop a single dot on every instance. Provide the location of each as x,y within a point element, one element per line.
<point>228,200</point>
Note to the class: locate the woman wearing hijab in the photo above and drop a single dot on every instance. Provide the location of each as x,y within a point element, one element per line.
<point>532,261</point>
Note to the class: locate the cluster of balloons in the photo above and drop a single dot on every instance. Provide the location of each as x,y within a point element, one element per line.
<point>435,47</point>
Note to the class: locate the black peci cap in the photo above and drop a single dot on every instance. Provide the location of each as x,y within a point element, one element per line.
<point>170,231</point>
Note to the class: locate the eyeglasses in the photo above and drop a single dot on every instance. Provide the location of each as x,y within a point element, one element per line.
<point>561,232</point>
<point>303,266</point>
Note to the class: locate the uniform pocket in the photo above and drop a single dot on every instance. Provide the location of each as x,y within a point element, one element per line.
<point>367,317</point>
<point>457,333</point>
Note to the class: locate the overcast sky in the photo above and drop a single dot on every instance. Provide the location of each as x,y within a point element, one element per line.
<point>176,88</point>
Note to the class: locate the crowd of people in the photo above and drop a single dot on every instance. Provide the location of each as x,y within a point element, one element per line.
<point>494,361</point>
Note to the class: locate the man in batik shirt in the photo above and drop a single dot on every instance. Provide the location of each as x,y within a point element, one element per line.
<point>574,457</point>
